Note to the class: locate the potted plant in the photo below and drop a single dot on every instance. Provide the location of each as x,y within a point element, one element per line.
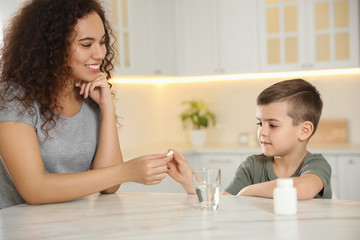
<point>198,116</point>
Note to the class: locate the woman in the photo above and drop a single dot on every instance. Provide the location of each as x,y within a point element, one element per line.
<point>58,134</point>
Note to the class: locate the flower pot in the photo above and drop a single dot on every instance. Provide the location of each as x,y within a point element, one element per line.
<point>197,137</point>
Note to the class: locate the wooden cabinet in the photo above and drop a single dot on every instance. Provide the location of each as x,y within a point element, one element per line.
<point>216,36</point>
<point>311,34</point>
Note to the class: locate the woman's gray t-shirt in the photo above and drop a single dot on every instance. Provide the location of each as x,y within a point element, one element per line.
<point>70,147</point>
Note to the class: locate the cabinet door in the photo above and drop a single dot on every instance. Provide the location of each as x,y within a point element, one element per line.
<point>227,162</point>
<point>144,32</point>
<point>332,159</point>
<point>196,37</point>
<point>238,36</point>
<point>282,35</point>
<point>333,34</point>
<point>162,39</point>
<point>349,177</point>
<point>313,34</point>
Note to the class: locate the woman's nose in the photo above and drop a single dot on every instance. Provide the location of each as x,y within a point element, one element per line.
<point>99,51</point>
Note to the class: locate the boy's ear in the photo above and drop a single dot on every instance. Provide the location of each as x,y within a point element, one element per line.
<point>306,130</point>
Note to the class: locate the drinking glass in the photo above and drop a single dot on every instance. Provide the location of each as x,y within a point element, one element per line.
<point>207,184</point>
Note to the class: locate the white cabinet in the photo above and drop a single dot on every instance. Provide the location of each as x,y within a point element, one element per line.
<point>144,30</point>
<point>310,34</point>
<point>202,37</point>
<point>332,159</point>
<point>216,36</point>
<point>345,177</point>
<point>349,181</point>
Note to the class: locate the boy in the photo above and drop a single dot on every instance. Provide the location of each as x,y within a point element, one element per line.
<point>288,113</point>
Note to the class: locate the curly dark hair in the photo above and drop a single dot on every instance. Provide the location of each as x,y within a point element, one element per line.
<point>35,53</point>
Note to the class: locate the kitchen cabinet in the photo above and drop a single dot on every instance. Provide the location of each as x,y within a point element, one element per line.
<point>332,159</point>
<point>144,31</point>
<point>349,171</point>
<point>311,34</point>
<point>345,176</point>
<point>216,36</point>
<point>202,37</point>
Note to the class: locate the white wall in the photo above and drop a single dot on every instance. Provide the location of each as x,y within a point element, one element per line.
<point>152,113</point>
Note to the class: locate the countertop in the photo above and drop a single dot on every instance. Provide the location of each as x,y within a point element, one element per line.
<point>233,148</point>
<point>125,215</point>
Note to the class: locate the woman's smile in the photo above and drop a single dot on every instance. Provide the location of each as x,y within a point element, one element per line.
<point>93,67</point>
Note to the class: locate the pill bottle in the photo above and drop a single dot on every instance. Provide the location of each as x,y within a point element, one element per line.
<point>285,197</point>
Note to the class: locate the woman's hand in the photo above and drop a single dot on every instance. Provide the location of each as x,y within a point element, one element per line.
<point>149,169</point>
<point>98,90</point>
<point>180,170</point>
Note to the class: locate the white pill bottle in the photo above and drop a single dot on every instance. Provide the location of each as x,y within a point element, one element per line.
<point>285,197</point>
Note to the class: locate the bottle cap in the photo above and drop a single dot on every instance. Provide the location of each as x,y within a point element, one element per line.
<point>284,182</point>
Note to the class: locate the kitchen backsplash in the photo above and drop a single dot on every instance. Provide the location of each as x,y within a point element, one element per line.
<point>150,113</point>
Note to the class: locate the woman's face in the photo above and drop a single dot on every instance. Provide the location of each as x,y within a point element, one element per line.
<point>87,48</point>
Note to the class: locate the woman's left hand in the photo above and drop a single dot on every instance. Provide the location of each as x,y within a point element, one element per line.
<point>98,90</point>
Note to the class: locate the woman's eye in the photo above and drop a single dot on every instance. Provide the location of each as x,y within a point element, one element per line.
<point>86,45</point>
<point>102,42</point>
<point>259,124</point>
<point>272,126</point>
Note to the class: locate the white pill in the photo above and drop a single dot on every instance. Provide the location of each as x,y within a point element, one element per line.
<point>170,153</point>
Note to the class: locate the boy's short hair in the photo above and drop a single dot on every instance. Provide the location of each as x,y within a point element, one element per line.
<point>304,101</point>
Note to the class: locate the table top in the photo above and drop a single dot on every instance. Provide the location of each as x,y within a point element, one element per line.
<point>131,215</point>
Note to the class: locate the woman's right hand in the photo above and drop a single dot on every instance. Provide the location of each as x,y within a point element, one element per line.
<point>180,170</point>
<point>149,169</point>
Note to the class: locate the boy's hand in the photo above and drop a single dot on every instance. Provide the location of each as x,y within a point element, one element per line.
<point>180,170</point>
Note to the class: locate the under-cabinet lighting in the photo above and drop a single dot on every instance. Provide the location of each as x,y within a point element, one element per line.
<point>231,77</point>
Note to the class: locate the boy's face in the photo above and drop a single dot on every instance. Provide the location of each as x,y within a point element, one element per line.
<point>276,133</point>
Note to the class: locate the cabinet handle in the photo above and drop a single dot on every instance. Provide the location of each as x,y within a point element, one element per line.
<point>220,160</point>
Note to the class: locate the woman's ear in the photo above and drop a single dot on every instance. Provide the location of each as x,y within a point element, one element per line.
<point>306,129</point>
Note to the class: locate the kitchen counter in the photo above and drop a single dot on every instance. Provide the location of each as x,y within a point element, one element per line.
<point>234,148</point>
<point>157,216</point>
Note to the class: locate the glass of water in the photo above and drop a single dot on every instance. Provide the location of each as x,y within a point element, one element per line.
<point>207,184</point>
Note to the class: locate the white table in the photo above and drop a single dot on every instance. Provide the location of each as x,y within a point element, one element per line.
<point>127,215</point>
